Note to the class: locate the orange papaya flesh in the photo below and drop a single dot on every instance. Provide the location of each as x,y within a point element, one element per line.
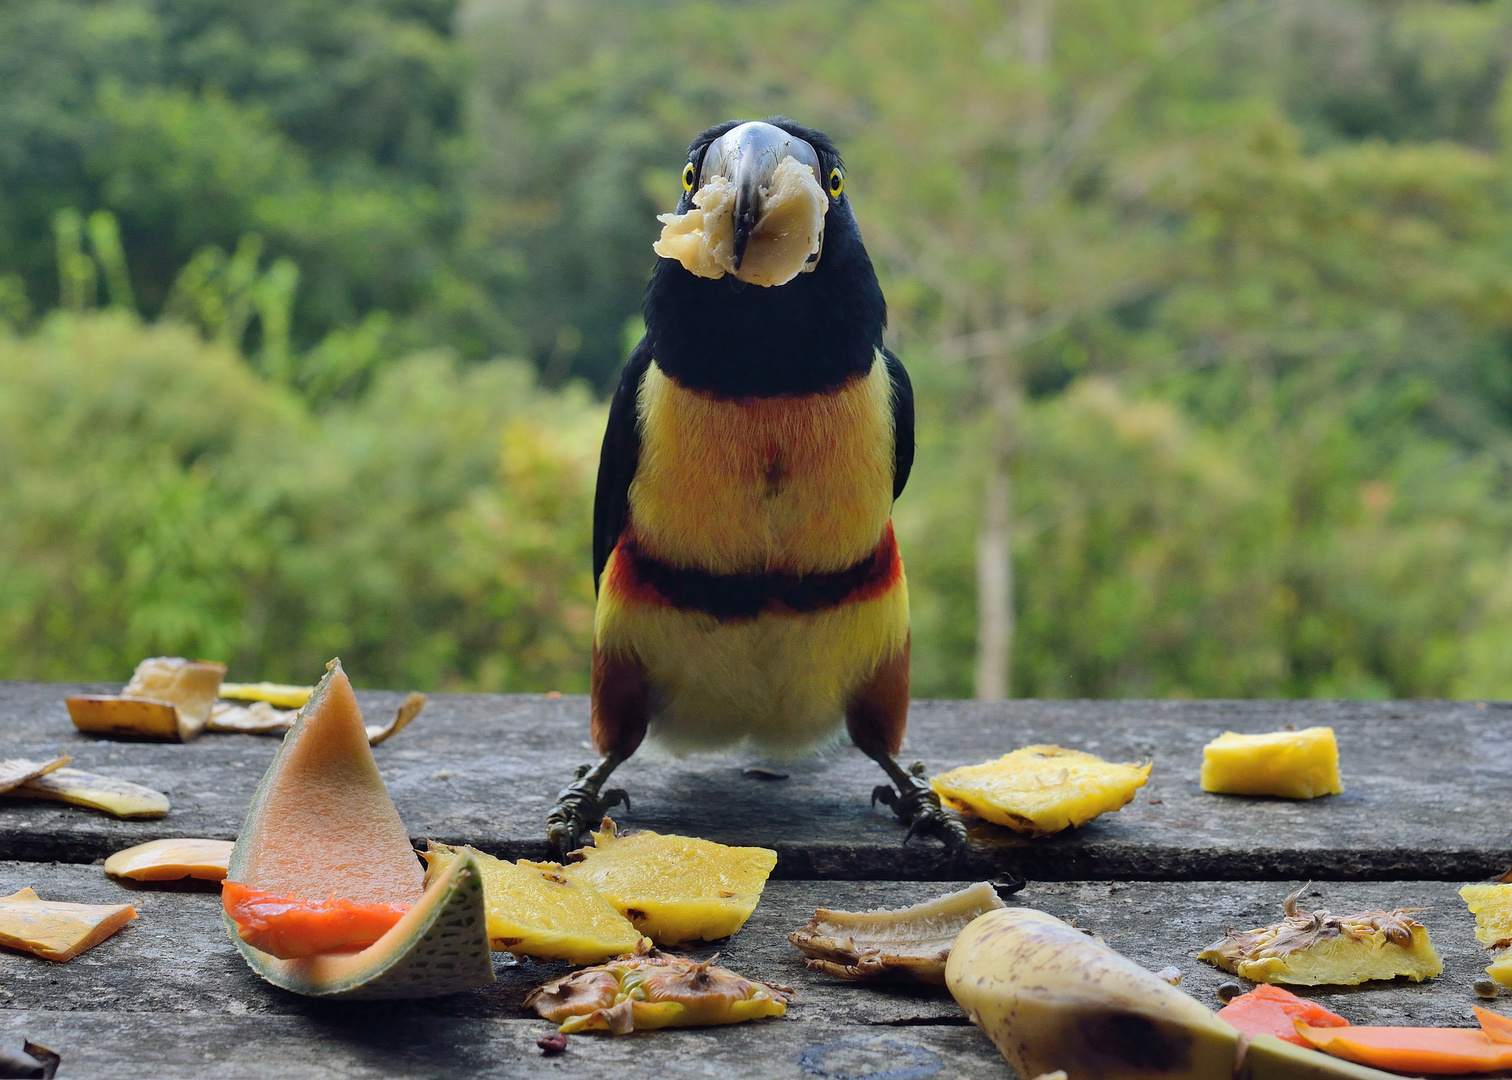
<point>1270,1010</point>
<point>1432,1051</point>
<point>288,927</point>
<point>1497,1027</point>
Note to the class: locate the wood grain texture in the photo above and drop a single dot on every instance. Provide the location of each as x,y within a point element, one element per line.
<point>1426,788</point>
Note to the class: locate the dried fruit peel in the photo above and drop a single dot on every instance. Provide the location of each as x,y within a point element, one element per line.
<point>1291,764</point>
<point>119,797</point>
<point>377,733</point>
<point>135,718</point>
<point>1492,907</point>
<point>16,771</point>
<point>1040,790</point>
<point>1316,948</point>
<point>912,943</point>
<point>258,719</point>
<point>786,237</point>
<point>535,911</point>
<point>172,859</point>
<point>54,930</point>
<point>652,990</point>
<point>168,697</point>
<point>277,694</point>
<point>674,888</point>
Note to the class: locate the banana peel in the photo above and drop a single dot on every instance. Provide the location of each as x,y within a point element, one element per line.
<point>1052,998</point>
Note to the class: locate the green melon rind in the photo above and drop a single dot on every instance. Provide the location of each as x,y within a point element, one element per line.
<point>440,947</point>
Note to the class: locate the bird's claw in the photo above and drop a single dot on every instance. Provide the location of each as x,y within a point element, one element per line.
<point>579,807</point>
<point>919,808</point>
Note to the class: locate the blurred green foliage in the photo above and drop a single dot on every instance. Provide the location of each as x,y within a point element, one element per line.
<point>258,260</point>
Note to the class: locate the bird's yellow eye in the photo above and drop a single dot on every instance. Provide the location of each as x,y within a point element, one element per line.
<point>836,183</point>
<point>688,177</point>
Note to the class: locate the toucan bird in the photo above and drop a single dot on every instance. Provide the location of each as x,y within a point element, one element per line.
<point>749,584</point>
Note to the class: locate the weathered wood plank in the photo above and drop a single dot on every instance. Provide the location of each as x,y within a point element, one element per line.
<point>1427,786</point>
<point>176,958</point>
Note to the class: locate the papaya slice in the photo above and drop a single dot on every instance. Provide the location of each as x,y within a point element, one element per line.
<point>1436,1051</point>
<point>289,927</point>
<point>168,697</point>
<point>1270,1010</point>
<point>54,930</point>
<point>674,888</point>
<point>322,825</point>
<point>169,860</point>
<point>535,911</point>
<point>119,797</point>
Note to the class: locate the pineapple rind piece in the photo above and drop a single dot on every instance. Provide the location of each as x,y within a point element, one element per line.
<point>534,911</point>
<point>1492,907</point>
<point>1040,790</point>
<point>675,888</point>
<point>1292,764</point>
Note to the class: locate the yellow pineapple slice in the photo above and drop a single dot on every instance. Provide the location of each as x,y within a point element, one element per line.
<point>674,888</point>
<point>169,860</point>
<point>1040,790</point>
<point>1315,948</point>
<point>119,797</point>
<point>534,911</point>
<point>1292,764</point>
<point>653,990</point>
<point>57,931</point>
<point>1492,907</point>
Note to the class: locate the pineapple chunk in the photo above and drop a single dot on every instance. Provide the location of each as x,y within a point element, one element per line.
<point>1314,948</point>
<point>1292,764</point>
<point>57,931</point>
<point>1492,907</point>
<point>674,888</point>
<point>534,911</point>
<point>1040,790</point>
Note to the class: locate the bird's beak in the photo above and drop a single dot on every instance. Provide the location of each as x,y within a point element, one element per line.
<point>747,156</point>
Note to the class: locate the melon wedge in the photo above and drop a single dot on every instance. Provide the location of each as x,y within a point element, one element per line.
<point>54,930</point>
<point>322,824</point>
<point>169,860</point>
<point>119,797</point>
<point>534,911</point>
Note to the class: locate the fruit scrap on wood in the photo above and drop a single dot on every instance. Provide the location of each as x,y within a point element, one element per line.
<point>17,771</point>
<point>911,943</point>
<point>31,1062</point>
<point>674,888</point>
<point>169,860</point>
<point>277,694</point>
<point>1492,907</point>
<point>377,733</point>
<point>167,698</point>
<point>1316,948</point>
<point>259,718</point>
<point>1041,790</point>
<point>119,797</point>
<point>54,930</point>
<point>1270,1010</point>
<point>1290,764</point>
<point>650,990</point>
<point>1431,1051</point>
<point>533,910</point>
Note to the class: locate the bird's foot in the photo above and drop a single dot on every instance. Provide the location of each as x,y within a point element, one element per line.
<point>579,807</point>
<point>918,807</point>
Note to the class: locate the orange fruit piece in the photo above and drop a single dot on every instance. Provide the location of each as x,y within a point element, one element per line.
<point>1437,1051</point>
<point>288,927</point>
<point>1270,1010</point>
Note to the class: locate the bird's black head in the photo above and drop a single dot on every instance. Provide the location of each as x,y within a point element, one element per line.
<point>737,339</point>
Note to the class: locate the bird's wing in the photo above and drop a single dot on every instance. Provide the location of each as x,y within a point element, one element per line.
<point>903,422</point>
<point>618,458</point>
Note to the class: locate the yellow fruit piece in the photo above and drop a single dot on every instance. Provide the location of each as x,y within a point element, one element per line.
<point>167,698</point>
<point>1316,948</point>
<point>119,797</point>
<point>377,733</point>
<point>1492,907</point>
<point>1501,969</point>
<point>1041,790</point>
<point>168,860</point>
<point>258,719</point>
<point>1292,764</point>
<point>16,771</point>
<point>534,911</point>
<point>653,990</point>
<point>276,694</point>
<point>674,888</point>
<point>57,931</point>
